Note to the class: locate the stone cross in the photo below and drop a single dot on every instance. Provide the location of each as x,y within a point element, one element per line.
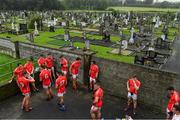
<point>157,22</point>
<point>17,28</point>
<point>36,32</point>
<point>131,40</point>
<point>12,26</point>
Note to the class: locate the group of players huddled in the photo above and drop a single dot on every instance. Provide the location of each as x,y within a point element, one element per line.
<point>24,76</point>
<point>50,76</point>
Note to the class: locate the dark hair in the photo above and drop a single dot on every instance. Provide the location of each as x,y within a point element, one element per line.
<point>18,64</point>
<point>49,54</point>
<point>41,55</point>
<point>177,107</point>
<point>31,59</point>
<point>61,56</point>
<point>59,73</point>
<point>78,58</point>
<point>94,62</point>
<point>170,88</point>
<point>24,73</point>
<point>44,66</point>
<point>135,76</point>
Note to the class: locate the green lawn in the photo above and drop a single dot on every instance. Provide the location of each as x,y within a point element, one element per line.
<point>145,9</point>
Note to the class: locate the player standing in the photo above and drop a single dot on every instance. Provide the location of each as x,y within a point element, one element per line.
<point>174,99</point>
<point>45,77</point>
<point>97,102</point>
<point>74,69</point>
<point>133,86</point>
<point>29,67</point>
<point>61,83</point>
<point>93,73</point>
<point>25,89</point>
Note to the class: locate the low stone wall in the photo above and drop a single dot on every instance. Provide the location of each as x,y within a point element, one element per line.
<point>7,47</point>
<point>25,50</point>
<point>114,75</point>
<point>11,89</point>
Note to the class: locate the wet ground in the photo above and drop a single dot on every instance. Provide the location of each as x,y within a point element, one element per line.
<point>173,64</point>
<point>78,106</point>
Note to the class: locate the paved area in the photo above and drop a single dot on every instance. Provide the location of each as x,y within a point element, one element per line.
<point>78,106</point>
<point>173,64</point>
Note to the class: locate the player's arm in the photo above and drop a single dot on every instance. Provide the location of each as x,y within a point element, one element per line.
<point>128,85</point>
<point>177,99</point>
<point>40,77</point>
<point>135,85</point>
<point>30,80</point>
<point>70,68</point>
<point>95,100</point>
<point>97,73</point>
<point>57,85</point>
<point>12,78</point>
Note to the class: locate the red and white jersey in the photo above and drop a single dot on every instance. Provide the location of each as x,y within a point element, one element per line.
<point>174,98</point>
<point>75,67</point>
<point>41,61</point>
<point>94,70</point>
<point>99,93</point>
<point>23,84</point>
<point>45,76</point>
<point>18,72</point>
<point>29,67</point>
<point>64,64</point>
<point>49,62</point>
<point>132,85</point>
<point>61,82</point>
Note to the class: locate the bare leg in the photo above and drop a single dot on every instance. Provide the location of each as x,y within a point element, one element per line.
<point>27,103</point>
<point>23,103</point>
<point>75,84</point>
<point>135,105</point>
<point>93,115</point>
<point>99,114</point>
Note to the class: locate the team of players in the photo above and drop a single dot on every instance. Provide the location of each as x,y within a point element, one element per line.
<point>24,76</point>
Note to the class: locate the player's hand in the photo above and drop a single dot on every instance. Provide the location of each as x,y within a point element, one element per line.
<point>10,81</point>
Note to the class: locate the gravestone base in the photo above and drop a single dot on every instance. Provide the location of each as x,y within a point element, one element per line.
<point>123,52</point>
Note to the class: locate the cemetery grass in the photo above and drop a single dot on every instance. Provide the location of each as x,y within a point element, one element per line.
<point>5,69</point>
<point>145,9</point>
<point>7,66</point>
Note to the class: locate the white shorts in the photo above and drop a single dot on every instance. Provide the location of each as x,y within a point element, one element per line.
<point>92,80</point>
<point>46,87</point>
<point>95,109</point>
<point>60,94</point>
<point>134,96</point>
<point>27,94</point>
<point>64,72</point>
<point>74,76</point>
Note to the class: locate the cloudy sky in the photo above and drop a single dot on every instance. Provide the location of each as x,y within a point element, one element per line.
<point>169,0</point>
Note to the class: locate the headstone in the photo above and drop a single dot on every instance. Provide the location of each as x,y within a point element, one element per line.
<point>124,44</point>
<point>17,29</point>
<point>66,35</point>
<point>12,26</point>
<point>176,17</point>
<point>36,32</point>
<point>31,37</point>
<point>131,40</point>
<point>157,22</point>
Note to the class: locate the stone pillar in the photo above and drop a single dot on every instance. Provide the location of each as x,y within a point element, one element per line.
<point>87,62</point>
<point>17,49</point>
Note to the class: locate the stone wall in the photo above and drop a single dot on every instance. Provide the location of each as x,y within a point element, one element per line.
<point>114,75</point>
<point>26,50</point>
<point>7,47</point>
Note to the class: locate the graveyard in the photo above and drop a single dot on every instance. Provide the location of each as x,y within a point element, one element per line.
<point>123,40</point>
